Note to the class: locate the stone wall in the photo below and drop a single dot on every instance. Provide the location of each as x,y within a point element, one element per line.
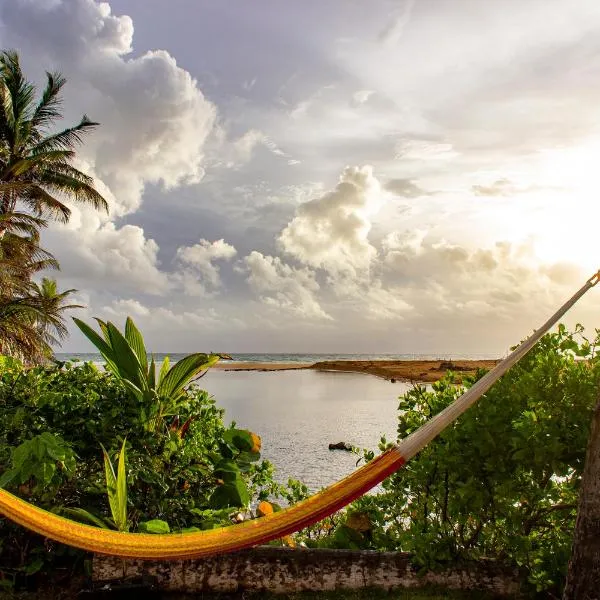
<point>293,570</point>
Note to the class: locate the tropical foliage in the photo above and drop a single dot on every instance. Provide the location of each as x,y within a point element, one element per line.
<point>36,163</point>
<point>37,176</point>
<point>76,440</point>
<point>502,482</point>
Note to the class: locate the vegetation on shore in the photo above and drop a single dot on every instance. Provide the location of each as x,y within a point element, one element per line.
<point>37,175</point>
<point>502,482</point>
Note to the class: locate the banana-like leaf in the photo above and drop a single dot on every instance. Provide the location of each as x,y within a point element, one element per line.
<point>125,357</point>
<point>183,371</point>
<point>122,490</point>
<point>116,487</point>
<point>111,485</point>
<point>136,341</point>
<point>134,389</point>
<point>164,369</point>
<point>104,348</point>
<point>80,514</point>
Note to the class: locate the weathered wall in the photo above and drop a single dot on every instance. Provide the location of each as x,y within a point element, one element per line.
<point>287,570</point>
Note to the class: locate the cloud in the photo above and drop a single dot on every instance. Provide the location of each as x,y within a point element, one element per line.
<point>198,274</point>
<point>406,188</point>
<point>128,308</point>
<point>454,280</point>
<point>283,287</point>
<point>155,120</point>
<point>506,188</point>
<point>331,232</point>
<point>393,31</point>
<point>104,257</point>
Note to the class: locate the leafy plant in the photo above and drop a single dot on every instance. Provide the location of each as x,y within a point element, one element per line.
<point>502,482</point>
<point>40,464</point>
<point>126,357</point>
<point>116,488</point>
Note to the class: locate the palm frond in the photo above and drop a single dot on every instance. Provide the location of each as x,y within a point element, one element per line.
<point>48,109</point>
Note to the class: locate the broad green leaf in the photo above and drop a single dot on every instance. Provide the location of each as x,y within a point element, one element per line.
<point>136,341</point>
<point>183,371</point>
<point>104,348</point>
<point>234,494</point>
<point>125,357</point>
<point>239,438</point>
<point>164,369</point>
<point>7,477</point>
<point>227,470</point>
<point>154,526</point>
<point>122,490</point>
<point>80,514</point>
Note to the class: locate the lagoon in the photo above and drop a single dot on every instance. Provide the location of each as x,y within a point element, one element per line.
<point>298,413</point>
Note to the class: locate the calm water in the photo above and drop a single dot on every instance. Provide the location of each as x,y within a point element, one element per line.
<point>298,413</point>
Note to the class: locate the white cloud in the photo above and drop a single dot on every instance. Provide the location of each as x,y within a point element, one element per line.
<point>127,308</point>
<point>105,257</point>
<point>198,273</point>
<point>283,287</point>
<point>331,232</point>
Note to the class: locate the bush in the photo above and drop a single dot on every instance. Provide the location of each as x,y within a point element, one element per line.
<point>502,482</point>
<point>187,469</point>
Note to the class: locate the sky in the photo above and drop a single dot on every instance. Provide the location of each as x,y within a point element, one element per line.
<point>400,176</point>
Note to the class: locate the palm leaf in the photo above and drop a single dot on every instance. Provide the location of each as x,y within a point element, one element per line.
<point>104,348</point>
<point>164,369</point>
<point>125,358</point>
<point>136,341</point>
<point>122,491</point>
<point>183,371</point>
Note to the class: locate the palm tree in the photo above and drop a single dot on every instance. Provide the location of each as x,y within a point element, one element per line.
<point>30,313</point>
<point>36,169</point>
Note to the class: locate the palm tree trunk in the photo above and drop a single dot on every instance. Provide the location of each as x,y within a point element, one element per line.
<point>583,578</point>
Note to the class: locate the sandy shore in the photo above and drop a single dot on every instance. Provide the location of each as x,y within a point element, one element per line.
<point>227,365</point>
<point>397,370</point>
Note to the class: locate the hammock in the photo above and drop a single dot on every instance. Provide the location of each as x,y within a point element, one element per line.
<point>177,546</point>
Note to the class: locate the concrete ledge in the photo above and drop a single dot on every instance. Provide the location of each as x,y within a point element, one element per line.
<point>285,570</point>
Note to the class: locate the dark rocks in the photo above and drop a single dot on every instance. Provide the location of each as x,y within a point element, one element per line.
<point>341,446</point>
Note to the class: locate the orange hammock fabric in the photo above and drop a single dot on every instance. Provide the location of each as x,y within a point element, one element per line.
<point>259,531</point>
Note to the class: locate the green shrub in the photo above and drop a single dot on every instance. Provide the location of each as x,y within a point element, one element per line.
<point>502,482</point>
<point>187,469</point>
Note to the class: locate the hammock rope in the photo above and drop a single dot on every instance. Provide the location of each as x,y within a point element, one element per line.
<point>177,546</point>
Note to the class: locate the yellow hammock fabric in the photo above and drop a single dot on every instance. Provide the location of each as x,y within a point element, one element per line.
<point>259,531</point>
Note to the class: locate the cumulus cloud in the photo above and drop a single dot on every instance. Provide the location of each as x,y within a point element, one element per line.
<point>499,282</point>
<point>405,188</point>
<point>331,232</point>
<point>283,287</point>
<point>127,308</point>
<point>155,119</point>
<point>106,257</point>
<point>199,273</point>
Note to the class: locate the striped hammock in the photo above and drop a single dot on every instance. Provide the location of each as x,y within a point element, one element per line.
<point>273,526</point>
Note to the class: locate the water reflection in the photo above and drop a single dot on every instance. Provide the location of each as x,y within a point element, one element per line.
<point>298,413</point>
